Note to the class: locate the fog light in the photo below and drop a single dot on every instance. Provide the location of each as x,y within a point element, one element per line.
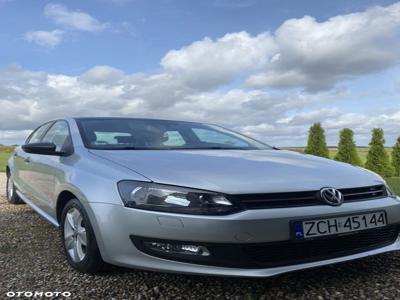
<point>177,248</point>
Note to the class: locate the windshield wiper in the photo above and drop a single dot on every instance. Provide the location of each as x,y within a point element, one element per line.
<point>222,148</point>
<point>119,148</point>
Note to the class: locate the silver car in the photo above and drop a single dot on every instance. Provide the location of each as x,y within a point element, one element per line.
<point>196,198</point>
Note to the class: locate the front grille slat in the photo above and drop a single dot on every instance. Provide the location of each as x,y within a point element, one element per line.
<point>363,193</point>
<point>272,200</point>
<point>307,198</point>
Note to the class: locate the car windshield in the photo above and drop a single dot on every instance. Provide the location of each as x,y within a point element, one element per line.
<point>147,134</point>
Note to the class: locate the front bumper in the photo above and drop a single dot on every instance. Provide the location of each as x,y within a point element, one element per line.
<point>115,224</point>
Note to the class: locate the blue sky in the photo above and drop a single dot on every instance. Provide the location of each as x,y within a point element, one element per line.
<point>257,71</point>
<point>154,28</point>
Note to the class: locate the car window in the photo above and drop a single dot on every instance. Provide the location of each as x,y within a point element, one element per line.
<point>36,136</point>
<point>173,138</point>
<point>148,134</point>
<point>57,134</point>
<point>217,137</point>
<point>111,138</point>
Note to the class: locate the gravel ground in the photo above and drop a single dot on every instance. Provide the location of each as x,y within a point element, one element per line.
<point>31,259</point>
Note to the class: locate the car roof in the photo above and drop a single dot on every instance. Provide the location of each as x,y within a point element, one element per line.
<point>133,118</point>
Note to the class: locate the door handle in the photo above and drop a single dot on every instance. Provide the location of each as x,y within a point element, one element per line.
<point>27,160</point>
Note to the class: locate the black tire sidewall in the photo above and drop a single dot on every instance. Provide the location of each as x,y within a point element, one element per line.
<point>7,185</point>
<point>92,261</point>
<point>14,199</point>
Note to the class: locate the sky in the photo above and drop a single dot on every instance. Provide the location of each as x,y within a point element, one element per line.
<point>266,68</point>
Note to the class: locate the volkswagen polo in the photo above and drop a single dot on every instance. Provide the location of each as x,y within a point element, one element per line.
<point>197,198</point>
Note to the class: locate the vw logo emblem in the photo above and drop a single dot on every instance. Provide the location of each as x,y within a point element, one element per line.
<point>331,196</point>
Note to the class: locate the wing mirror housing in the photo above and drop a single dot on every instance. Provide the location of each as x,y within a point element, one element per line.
<point>42,148</point>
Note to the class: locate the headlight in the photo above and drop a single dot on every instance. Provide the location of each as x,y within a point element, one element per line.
<point>151,196</point>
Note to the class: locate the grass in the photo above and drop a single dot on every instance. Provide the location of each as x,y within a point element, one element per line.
<point>362,152</point>
<point>5,152</point>
<point>3,161</point>
<point>6,149</point>
<point>394,184</point>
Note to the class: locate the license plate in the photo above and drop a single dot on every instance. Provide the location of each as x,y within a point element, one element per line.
<point>337,225</point>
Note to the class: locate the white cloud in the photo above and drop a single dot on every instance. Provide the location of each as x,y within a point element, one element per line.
<point>309,117</point>
<point>316,55</point>
<point>102,75</point>
<point>73,19</point>
<point>29,98</point>
<point>69,19</point>
<point>209,63</point>
<point>44,38</point>
<point>301,53</point>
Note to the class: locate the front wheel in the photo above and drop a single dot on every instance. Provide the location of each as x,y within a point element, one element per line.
<point>78,239</point>
<point>12,196</point>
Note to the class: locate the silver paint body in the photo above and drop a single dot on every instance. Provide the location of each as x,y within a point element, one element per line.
<point>92,176</point>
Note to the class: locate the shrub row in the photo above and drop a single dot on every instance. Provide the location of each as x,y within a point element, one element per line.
<point>378,159</point>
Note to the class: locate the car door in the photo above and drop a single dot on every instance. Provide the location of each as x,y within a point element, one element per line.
<point>22,174</point>
<point>47,169</point>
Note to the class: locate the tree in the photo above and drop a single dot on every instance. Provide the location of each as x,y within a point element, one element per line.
<point>347,151</point>
<point>316,144</point>
<point>377,157</point>
<point>396,157</point>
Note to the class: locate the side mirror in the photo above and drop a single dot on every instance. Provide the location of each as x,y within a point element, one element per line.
<point>42,148</point>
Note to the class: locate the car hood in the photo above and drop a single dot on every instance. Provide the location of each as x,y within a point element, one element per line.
<point>241,171</point>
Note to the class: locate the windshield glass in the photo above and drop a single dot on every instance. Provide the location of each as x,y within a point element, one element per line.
<point>147,134</point>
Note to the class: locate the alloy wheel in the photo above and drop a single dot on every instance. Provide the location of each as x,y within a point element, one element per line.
<point>75,237</point>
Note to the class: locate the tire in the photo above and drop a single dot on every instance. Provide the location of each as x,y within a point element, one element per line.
<point>76,231</point>
<point>11,194</point>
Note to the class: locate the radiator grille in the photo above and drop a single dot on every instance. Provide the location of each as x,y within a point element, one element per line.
<point>290,199</point>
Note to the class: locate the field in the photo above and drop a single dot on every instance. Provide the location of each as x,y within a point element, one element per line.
<point>394,184</point>
<point>362,152</point>
<point>3,161</point>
